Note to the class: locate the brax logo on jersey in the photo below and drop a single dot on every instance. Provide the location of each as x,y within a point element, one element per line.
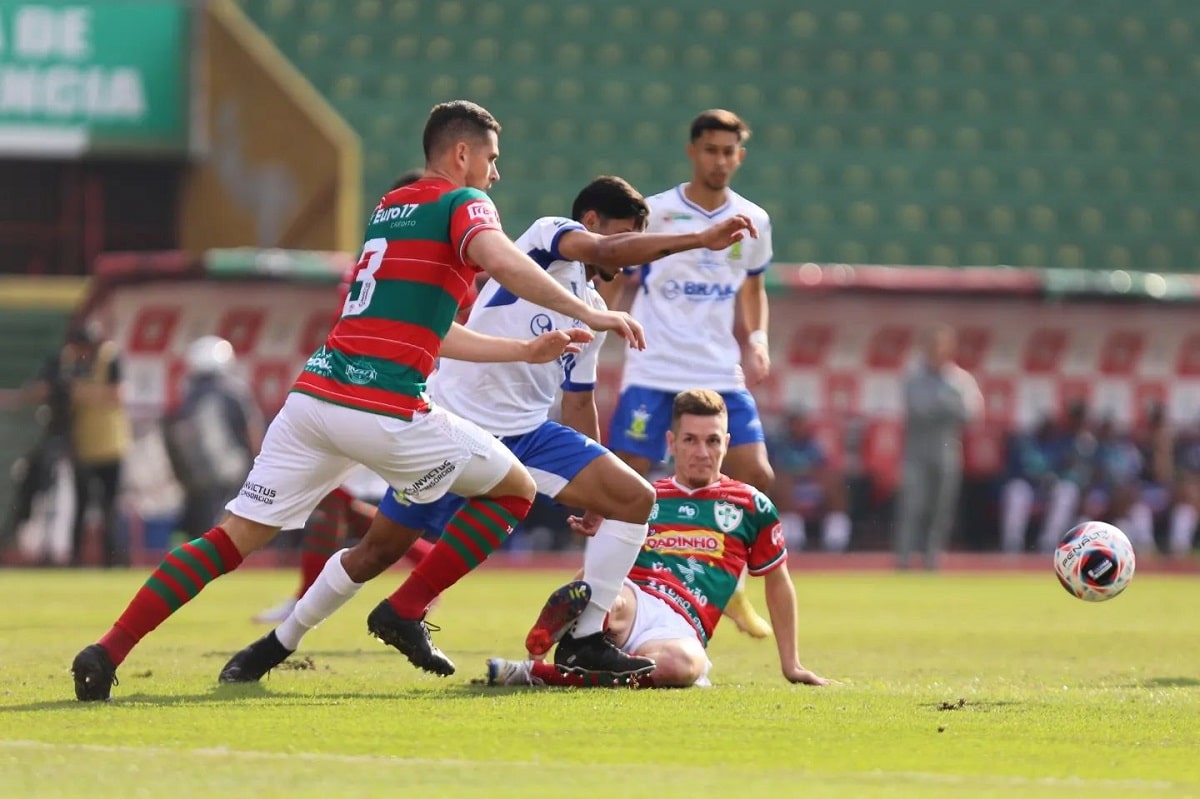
<point>482,212</point>
<point>695,291</point>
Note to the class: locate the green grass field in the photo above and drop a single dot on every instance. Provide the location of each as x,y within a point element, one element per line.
<point>1061,698</point>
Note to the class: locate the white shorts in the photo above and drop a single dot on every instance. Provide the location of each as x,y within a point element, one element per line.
<point>655,620</point>
<point>365,485</point>
<point>312,446</point>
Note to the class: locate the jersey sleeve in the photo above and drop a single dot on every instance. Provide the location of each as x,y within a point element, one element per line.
<point>545,235</point>
<point>580,374</point>
<point>764,251</point>
<point>768,551</point>
<point>471,213</point>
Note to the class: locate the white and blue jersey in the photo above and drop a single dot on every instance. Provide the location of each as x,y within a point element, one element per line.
<point>686,300</point>
<point>508,399</point>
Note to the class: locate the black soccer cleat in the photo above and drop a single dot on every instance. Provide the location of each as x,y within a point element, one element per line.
<point>562,609</point>
<point>597,654</point>
<point>94,673</point>
<point>411,637</point>
<point>253,662</point>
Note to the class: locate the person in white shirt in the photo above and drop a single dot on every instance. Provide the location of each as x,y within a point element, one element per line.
<point>513,401</point>
<point>686,302</point>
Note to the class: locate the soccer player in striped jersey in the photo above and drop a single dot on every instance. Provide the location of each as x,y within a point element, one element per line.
<point>686,301</point>
<point>704,529</point>
<point>361,399</point>
<point>513,402</point>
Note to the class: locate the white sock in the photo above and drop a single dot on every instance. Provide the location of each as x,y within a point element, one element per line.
<point>835,536</point>
<point>607,560</point>
<point>332,589</point>
<point>1183,529</point>
<point>1015,508</point>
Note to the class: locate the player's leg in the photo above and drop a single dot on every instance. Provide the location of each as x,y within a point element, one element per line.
<point>290,475</point>
<point>638,431</point>
<point>392,530</point>
<point>912,509</point>
<point>944,507</point>
<point>1184,515</point>
<point>321,537</point>
<point>1016,505</point>
<point>576,471</point>
<point>1064,500</point>
<point>746,461</point>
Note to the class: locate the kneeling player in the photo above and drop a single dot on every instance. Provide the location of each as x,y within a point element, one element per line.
<point>704,529</point>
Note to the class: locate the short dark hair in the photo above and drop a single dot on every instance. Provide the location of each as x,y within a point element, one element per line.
<point>405,178</point>
<point>720,119</point>
<point>612,198</point>
<point>697,402</point>
<point>455,121</point>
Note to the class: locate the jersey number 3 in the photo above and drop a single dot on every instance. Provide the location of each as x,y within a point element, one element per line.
<point>364,277</point>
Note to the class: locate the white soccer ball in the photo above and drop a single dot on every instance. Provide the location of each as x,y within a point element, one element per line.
<point>1094,561</point>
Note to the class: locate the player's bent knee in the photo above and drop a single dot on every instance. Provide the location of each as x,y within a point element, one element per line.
<point>516,483</point>
<point>631,502</point>
<point>675,668</point>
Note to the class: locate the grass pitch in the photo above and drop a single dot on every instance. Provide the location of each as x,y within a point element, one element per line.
<point>953,685</point>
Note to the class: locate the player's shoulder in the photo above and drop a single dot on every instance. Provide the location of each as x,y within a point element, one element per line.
<point>740,205</point>
<point>744,494</point>
<point>668,199</point>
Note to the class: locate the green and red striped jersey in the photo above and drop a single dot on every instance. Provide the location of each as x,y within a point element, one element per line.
<point>411,280</point>
<point>698,543</point>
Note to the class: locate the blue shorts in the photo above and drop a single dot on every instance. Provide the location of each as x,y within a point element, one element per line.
<point>643,417</point>
<point>553,454</point>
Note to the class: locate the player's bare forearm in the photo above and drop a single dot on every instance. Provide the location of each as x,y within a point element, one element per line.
<point>634,249</point>
<point>464,344</point>
<point>514,270</point>
<point>579,413</point>
<point>781,606</point>
<point>752,297</point>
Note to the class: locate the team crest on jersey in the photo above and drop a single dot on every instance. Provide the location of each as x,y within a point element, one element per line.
<point>637,427</point>
<point>541,323</point>
<point>728,516</point>
<point>735,252</point>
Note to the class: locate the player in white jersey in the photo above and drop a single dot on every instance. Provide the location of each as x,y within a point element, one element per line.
<point>513,402</point>
<point>686,301</point>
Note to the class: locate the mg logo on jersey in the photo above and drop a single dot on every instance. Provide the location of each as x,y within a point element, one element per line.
<point>728,516</point>
<point>698,291</point>
<point>688,511</point>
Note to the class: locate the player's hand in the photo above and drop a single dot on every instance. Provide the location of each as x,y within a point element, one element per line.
<point>618,322</point>
<point>553,344</point>
<point>801,675</point>
<point>586,525</point>
<point>756,364</point>
<point>726,232</point>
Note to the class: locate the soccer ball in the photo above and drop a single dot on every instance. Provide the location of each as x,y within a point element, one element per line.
<point>1094,561</point>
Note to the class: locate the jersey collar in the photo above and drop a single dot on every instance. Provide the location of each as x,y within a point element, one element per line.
<point>708,214</point>
<point>691,491</point>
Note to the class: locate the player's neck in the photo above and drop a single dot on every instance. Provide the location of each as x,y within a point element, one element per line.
<point>691,489</point>
<point>708,199</point>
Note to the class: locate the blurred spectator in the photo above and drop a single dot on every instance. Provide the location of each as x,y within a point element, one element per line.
<point>1186,511</point>
<point>1155,441</point>
<point>808,485</point>
<point>940,397</point>
<point>1029,482</point>
<point>1072,455</point>
<point>42,478</point>
<point>213,434</point>
<point>1114,493</point>
<point>91,366</point>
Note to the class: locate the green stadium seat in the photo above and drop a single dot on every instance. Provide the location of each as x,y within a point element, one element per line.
<point>1028,133</point>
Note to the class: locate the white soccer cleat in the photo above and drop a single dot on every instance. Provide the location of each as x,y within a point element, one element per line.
<point>276,614</point>
<point>510,672</point>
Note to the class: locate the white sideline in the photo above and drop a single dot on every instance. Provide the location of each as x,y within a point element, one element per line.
<point>387,760</point>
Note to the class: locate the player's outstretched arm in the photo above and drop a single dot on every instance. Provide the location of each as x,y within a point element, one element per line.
<point>781,603</point>
<point>632,249</point>
<point>514,270</point>
<point>464,344</point>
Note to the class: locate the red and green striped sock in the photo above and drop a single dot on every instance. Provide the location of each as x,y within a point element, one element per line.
<point>183,573</point>
<point>472,534</point>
